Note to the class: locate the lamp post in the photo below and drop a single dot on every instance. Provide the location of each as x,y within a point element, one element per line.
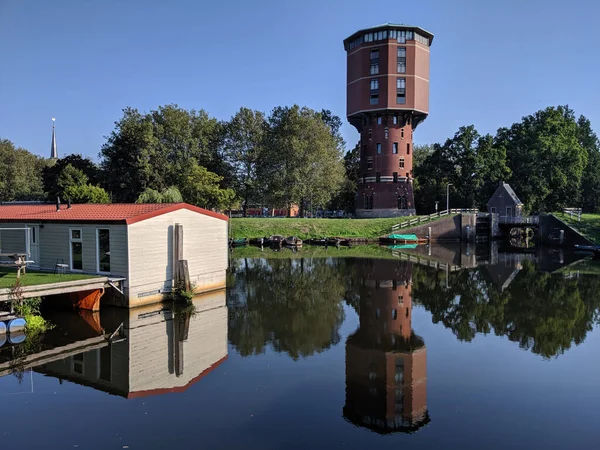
<point>448,197</point>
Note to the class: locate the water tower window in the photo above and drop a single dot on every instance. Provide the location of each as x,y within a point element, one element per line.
<point>401,163</point>
<point>401,59</point>
<point>395,148</point>
<point>401,91</point>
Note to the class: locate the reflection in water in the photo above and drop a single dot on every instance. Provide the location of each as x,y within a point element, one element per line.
<point>545,313</point>
<point>292,305</point>
<point>157,349</point>
<point>386,367</point>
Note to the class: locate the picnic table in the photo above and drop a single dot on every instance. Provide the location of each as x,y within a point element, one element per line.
<point>18,260</point>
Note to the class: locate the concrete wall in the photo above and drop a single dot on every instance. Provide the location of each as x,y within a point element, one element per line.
<point>54,245</point>
<point>447,229</point>
<point>151,255</point>
<point>548,232</point>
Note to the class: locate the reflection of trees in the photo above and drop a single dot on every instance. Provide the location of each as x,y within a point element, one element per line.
<point>293,305</point>
<point>542,312</point>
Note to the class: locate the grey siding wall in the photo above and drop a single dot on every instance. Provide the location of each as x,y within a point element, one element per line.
<point>54,245</point>
<point>115,364</point>
<point>12,241</point>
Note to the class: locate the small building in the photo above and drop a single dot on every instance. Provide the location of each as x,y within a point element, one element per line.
<point>505,202</point>
<point>132,244</point>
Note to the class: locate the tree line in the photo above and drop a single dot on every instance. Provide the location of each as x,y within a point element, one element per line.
<point>550,158</point>
<point>296,155</point>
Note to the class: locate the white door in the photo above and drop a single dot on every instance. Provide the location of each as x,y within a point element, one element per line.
<point>34,245</point>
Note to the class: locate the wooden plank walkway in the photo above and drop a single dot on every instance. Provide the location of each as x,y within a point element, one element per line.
<point>64,287</point>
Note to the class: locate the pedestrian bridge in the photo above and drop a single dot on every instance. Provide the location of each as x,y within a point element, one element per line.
<point>519,221</point>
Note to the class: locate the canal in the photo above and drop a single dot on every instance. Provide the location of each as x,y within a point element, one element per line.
<point>327,348</point>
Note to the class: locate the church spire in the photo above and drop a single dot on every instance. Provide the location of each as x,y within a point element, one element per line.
<point>53,151</point>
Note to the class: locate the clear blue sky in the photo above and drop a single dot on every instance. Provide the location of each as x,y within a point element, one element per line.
<point>84,61</point>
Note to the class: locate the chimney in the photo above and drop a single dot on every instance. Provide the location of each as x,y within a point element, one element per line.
<point>69,203</point>
<point>58,203</point>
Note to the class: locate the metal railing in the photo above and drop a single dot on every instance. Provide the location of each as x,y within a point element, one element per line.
<point>519,220</point>
<point>422,219</point>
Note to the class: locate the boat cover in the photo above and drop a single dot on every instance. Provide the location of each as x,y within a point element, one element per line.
<point>405,237</point>
<point>400,246</point>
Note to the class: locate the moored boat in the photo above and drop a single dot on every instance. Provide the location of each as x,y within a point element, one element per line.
<point>293,241</point>
<point>401,239</point>
<point>238,242</point>
<point>276,240</point>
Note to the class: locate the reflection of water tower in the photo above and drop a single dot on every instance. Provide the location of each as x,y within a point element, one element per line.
<point>386,367</point>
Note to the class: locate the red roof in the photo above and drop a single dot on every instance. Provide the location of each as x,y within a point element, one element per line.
<point>114,212</point>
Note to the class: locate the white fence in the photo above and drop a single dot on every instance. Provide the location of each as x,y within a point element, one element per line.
<point>422,219</point>
<point>573,212</point>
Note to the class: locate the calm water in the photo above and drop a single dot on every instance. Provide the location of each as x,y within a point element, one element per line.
<point>427,348</point>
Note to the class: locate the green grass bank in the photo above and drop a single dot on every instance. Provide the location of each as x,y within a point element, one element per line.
<point>589,225</point>
<point>314,228</point>
<point>8,277</point>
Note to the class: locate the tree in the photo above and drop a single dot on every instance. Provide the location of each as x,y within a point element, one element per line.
<point>302,161</point>
<point>420,154</point>
<point>70,176</point>
<point>491,169</point>
<point>546,159</point>
<point>590,182</point>
<point>20,173</point>
<point>169,195</point>
<point>86,193</point>
<point>202,189</point>
<point>345,198</point>
<point>51,173</point>
<point>243,146</point>
<point>158,147</point>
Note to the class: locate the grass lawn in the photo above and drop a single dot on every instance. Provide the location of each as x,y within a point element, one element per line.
<point>8,277</point>
<point>586,266</point>
<point>314,228</point>
<point>589,225</point>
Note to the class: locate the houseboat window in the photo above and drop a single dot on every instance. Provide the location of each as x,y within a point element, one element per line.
<point>78,363</point>
<point>105,363</point>
<point>103,246</point>
<point>76,249</point>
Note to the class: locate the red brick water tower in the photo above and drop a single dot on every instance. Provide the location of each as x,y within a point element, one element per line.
<point>387,97</point>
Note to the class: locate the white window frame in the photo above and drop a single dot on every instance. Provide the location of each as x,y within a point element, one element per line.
<point>71,241</point>
<point>98,249</point>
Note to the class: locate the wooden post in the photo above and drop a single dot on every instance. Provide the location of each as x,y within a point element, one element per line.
<point>177,251</point>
